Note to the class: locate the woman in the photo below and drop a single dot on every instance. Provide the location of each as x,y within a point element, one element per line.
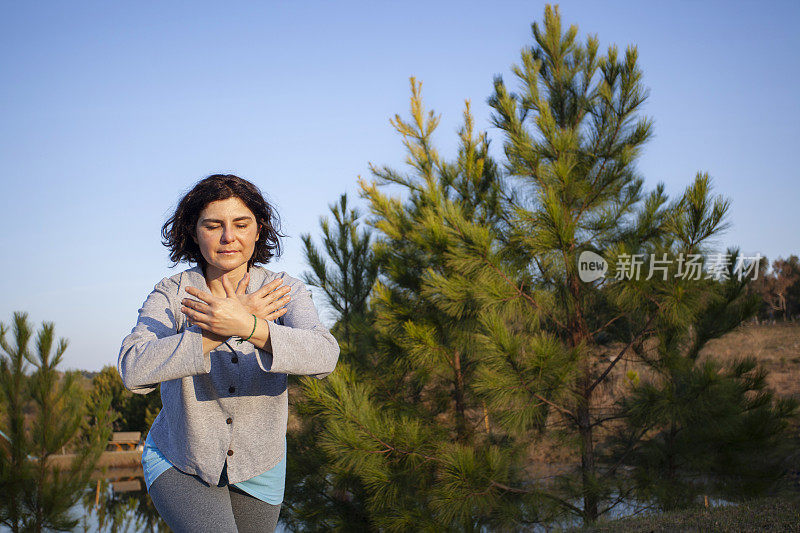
<point>215,456</point>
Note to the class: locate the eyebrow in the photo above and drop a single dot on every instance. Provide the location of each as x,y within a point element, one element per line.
<point>237,219</point>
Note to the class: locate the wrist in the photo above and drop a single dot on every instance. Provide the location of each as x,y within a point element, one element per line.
<point>214,336</point>
<point>261,337</point>
<point>248,328</point>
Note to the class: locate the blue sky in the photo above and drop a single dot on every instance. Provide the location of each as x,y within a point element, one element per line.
<point>112,110</point>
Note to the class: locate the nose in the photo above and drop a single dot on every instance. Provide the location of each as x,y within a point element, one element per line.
<point>227,234</point>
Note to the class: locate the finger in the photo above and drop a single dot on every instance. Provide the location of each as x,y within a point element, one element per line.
<point>197,293</point>
<point>241,288</point>
<point>280,302</point>
<point>203,326</point>
<point>199,306</point>
<point>268,288</point>
<point>279,293</point>
<point>280,312</point>
<point>276,313</point>
<point>194,316</point>
<point>228,286</point>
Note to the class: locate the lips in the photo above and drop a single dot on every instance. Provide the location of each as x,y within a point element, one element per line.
<point>228,251</point>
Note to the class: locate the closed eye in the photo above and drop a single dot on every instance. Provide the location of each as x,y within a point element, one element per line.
<point>238,226</point>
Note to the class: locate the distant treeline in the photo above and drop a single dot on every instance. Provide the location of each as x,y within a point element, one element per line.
<point>779,289</point>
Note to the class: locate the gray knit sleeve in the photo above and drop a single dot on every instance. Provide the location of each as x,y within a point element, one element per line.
<point>302,345</point>
<point>155,350</point>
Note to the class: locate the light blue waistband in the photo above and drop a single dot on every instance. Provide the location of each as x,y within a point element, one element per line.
<point>268,486</point>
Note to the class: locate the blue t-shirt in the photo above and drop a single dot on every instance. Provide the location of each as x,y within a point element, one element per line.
<point>267,487</point>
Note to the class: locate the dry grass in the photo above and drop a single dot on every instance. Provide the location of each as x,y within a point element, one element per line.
<point>776,347</point>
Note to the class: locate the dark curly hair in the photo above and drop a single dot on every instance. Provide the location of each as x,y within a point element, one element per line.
<point>179,228</point>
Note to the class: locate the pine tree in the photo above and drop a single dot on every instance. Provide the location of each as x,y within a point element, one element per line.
<point>698,427</point>
<point>131,412</point>
<point>412,424</point>
<point>489,343</point>
<point>43,412</point>
<point>572,136</point>
<point>348,283</point>
<point>320,496</point>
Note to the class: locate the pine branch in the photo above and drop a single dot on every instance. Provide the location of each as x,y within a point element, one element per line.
<point>622,352</point>
<point>553,497</point>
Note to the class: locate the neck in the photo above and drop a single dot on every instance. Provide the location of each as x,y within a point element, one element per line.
<point>213,277</point>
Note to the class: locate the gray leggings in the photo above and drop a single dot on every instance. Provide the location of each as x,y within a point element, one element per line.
<point>190,505</point>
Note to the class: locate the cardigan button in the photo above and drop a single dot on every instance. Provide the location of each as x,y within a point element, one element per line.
<point>234,359</point>
<point>230,452</point>
<point>229,421</point>
<point>231,389</point>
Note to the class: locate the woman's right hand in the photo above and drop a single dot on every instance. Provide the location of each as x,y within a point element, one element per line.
<point>267,302</point>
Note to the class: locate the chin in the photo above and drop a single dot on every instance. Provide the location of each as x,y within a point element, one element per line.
<point>227,264</point>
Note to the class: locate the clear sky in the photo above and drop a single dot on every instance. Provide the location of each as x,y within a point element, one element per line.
<point>112,110</point>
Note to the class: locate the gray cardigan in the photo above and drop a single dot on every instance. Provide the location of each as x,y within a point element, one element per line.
<point>232,403</point>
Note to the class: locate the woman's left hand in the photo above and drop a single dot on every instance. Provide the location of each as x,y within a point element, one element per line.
<point>268,302</point>
<point>224,316</point>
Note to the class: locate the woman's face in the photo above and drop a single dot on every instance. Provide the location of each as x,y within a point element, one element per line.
<point>226,233</point>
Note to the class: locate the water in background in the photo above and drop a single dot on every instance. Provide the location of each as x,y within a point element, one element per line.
<point>117,507</point>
